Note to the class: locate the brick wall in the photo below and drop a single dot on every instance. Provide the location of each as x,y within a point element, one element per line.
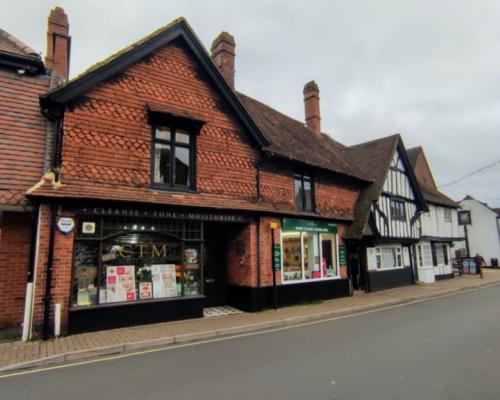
<point>61,275</point>
<point>23,131</point>
<point>110,124</point>
<point>15,240</point>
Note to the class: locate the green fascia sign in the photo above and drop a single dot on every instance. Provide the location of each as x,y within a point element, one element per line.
<point>304,225</point>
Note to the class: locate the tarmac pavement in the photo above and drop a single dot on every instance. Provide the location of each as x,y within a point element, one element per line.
<point>18,355</point>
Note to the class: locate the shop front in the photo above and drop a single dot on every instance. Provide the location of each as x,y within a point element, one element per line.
<point>313,261</point>
<point>136,266</point>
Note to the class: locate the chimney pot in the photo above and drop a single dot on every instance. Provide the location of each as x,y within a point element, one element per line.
<point>311,105</point>
<point>58,43</point>
<point>223,55</point>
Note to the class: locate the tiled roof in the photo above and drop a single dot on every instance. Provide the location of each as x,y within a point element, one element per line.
<point>431,194</point>
<point>10,44</point>
<point>292,140</point>
<point>373,158</point>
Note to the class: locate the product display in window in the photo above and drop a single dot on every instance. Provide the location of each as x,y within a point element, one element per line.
<point>86,283</point>
<point>292,268</point>
<point>164,280</point>
<point>120,283</point>
<point>129,265</point>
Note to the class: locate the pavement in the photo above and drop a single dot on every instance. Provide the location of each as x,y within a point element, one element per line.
<point>25,355</point>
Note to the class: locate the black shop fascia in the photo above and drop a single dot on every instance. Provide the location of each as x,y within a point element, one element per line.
<point>135,265</point>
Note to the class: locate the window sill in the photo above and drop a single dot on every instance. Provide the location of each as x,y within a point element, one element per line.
<point>386,269</point>
<point>332,278</point>
<point>173,189</point>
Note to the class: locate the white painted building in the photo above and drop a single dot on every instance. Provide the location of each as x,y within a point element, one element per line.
<point>484,231</point>
<point>438,227</point>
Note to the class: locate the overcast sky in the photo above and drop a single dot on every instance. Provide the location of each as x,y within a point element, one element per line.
<point>429,70</point>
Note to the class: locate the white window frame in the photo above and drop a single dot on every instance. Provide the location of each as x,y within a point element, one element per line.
<point>295,281</point>
<point>378,252</point>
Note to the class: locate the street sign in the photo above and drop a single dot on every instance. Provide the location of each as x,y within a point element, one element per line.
<point>277,257</point>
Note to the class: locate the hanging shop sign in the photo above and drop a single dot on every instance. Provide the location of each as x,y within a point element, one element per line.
<point>303,225</point>
<point>464,217</point>
<point>342,256</point>
<point>162,214</point>
<point>66,224</point>
<point>277,257</point>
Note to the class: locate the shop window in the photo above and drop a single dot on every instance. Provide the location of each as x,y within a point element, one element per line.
<point>398,210</point>
<point>136,265</point>
<point>292,265</point>
<point>304,192</point>
<point>173,158</point>
<point>308,255</point>
<point>440,253</point>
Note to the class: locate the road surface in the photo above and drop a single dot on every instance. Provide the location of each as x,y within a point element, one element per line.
<point>447,348</point>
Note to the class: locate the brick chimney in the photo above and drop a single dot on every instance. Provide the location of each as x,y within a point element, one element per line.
<point>223,53</point>
<point>58,43</point>
<point>311,103</point>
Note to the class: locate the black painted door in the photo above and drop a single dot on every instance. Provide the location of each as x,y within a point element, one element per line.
<point>214,273</point>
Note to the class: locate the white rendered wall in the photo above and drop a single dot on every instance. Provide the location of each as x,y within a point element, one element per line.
<point>483,232</point>
<point>434,224</point>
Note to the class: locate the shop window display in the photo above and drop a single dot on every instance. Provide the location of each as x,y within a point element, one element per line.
<point>136,266</point>
<point>309,256</point>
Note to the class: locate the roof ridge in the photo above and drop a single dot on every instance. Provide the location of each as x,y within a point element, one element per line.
<point>122,51</point>
<point>273,109</point>
<point>19,44</point>
<point>393,136</point>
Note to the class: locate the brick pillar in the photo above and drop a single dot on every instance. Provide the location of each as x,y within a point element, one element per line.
<point>61,273</point>
<point>266,272</point>
<point>58,43</point>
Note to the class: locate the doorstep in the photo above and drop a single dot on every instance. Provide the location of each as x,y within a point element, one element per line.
<point>18,355</point>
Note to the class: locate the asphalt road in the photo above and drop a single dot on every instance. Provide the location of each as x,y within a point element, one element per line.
<point>448,348</point>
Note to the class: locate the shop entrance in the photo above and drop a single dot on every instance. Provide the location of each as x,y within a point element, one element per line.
<point>215,270</point>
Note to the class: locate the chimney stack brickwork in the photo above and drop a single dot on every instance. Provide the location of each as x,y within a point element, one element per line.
<point>58,43</point>
<point>311,103</point>
<point>223,55</point>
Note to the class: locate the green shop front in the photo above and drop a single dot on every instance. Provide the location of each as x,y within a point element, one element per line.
<point>313,262</point>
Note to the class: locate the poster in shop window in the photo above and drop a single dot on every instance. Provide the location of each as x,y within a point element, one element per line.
<point>145,290</point>
<point>120,283</point>
<point>164,280</point>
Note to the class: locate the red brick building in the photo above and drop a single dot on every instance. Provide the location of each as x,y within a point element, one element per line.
<point>23,131</point>
<point>166,187</point>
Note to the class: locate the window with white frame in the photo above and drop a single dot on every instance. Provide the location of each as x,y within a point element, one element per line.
<point>308,255</point>
<point>388,257</point>
<point>441,254</point>
<point>424,255</point>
